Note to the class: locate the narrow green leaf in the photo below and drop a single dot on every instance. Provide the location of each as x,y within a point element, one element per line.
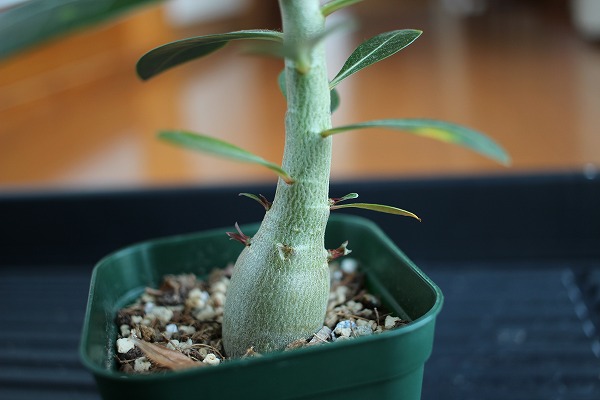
<point>336,200</point>
<point>443,131</point>
<point>375,49</point>
<point>377,207</point>
<point>335,100</point>
<point>349,196</point>
<point>172,54</point>
<point>335,96</point>
<point>218,147</point>
<point>282,84</point>
<point>27,23</point>
<point>334,5</point>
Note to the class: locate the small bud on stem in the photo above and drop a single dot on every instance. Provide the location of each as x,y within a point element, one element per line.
<point>239,236</point>
<point>334,200</point>
<point>339,252</point>
<point>260,198</point>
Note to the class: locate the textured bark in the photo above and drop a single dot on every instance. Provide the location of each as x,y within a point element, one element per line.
<point>280,285</point>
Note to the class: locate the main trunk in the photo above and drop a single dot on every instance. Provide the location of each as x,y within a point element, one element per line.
<point>280,286</point>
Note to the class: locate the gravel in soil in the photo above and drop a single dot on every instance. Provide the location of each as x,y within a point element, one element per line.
<point>178,325</point>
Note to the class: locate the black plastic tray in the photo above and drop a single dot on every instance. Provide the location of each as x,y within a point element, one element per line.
<point>518,259</point>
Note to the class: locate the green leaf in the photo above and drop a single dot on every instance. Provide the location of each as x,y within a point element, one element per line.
<point>336,200</point>
<point>377,207</point>
<point>443,131</point>
<point>335,96</point>
<point>282,83</point>
<point>335,100</point>
<point>375,49</point>
<point>29,23</point>
<point>334,5</point>
<point>349,196</point>
<point>178,52</point>
<point>218,147</point>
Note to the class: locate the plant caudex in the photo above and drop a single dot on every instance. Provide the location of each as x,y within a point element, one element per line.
<point>280,285</point>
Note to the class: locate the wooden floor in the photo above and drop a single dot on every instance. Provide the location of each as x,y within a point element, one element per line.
<point>73,114</point>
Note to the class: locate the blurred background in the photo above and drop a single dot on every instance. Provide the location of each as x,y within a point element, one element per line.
<point>515,250</point>
<point>73,114</point>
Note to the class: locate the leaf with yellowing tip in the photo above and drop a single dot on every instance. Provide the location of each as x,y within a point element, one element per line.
<point>439,130</point>
<point>377,207</point>
<point>221,148</point>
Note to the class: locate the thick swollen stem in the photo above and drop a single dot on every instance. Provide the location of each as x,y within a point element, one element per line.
<point>280,285</point>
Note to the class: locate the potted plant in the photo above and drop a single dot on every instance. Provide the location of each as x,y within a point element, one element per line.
<point>280,284</point>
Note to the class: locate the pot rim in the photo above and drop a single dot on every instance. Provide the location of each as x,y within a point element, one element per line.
<point>390,335</point>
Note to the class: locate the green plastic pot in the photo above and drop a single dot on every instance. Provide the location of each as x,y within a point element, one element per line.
<point>383,366</point>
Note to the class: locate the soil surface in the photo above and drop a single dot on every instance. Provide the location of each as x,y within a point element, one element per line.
<point>178,325</point>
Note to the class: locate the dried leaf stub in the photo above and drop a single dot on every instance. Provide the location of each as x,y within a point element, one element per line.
<point>165,357</point>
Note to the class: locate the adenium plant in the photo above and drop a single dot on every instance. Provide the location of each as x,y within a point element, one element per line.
<point>280,285</point>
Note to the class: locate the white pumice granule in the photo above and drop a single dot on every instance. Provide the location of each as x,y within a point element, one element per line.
<point>124,345</point>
